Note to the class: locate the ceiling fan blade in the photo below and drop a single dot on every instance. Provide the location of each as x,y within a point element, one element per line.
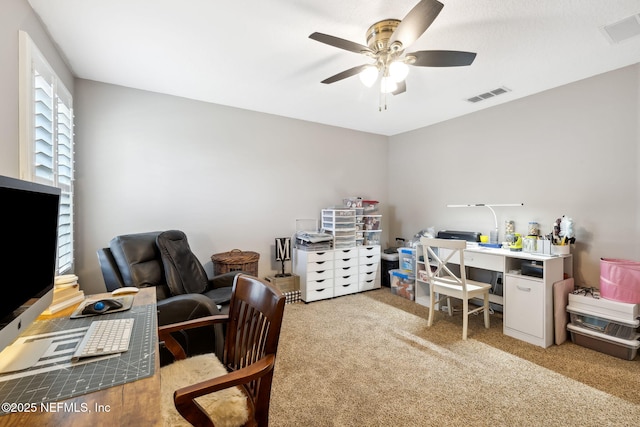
<point>442,58</point>
<point>416,22</point>
<point>402,88</point>
<point>340,43</point>
<point>346,73</point>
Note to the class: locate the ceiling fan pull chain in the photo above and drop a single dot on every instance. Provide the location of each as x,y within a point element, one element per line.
<point>382,95</point>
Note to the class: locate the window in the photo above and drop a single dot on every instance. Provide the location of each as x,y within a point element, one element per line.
<point>46,138</point>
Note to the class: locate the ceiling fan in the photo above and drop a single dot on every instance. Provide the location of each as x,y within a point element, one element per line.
<point>387,41</point>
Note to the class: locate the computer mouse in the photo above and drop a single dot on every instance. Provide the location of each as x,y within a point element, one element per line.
<point>101,306</point>
<point>125,290</point>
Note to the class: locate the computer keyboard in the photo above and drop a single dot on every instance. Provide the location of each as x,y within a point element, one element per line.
<point>105,337</point>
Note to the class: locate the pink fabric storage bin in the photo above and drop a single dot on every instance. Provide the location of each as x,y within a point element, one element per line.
<point>620,280</point>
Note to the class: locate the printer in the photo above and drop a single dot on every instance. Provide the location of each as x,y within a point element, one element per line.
<point>469,236</point>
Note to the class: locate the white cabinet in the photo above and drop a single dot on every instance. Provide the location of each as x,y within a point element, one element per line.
<point>369,267</point>
<point>345,263</point>
<point>350,266</point>
<point>528,297</point>
<point>316,274</point>
<point>336,272</point>
<point>525,298</point>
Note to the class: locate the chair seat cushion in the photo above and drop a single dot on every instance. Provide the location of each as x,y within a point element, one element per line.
<point>225,407</point>
<point>473,287</point>
<point>220,296</point>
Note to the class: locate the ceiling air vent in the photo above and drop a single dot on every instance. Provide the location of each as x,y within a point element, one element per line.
<point>622,30</point>
<point>487,95</point>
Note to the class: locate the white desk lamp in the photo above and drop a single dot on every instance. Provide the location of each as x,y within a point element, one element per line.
<point>494,234</point>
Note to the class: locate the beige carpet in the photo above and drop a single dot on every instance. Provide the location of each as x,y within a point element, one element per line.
<point>369,360</point>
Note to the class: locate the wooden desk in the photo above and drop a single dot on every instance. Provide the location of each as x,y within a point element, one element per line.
<point>132,404</point>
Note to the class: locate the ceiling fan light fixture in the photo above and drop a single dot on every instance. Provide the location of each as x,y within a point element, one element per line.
<point>369,75</point>
<point>398,71</point>
<point>388,85</point>
<point>385,49</point>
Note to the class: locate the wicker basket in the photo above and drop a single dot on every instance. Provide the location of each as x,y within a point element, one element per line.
<point>235,260</point>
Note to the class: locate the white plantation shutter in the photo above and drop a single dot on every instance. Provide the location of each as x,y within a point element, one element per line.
<point>43,100</point>
<point>64,149</point>
<point>46,138</point>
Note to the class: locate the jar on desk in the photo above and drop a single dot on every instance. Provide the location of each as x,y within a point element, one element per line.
<point>509,229</point>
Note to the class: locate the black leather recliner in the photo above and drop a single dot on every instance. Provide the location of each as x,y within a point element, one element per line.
<point>164,261</point>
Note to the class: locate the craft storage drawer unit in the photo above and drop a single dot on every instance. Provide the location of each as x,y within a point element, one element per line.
<point>368,268</point>
<point>319,276</point>
<point>623,349</point>
<point>311,295</point>
<point>318,257</point>
<point>344,285</point>
<point>368,280</point>
<point>345,258</point>
<point>345,271</point>
<point>316,271</point>
<point>614,328</point>
<point>369,263</point>
<point>341,223</point>
<point>369,254</point>
<point>345,264</point>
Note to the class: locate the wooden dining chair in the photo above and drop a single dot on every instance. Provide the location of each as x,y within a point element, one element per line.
<point>444,284</point>
<point>235,390</point>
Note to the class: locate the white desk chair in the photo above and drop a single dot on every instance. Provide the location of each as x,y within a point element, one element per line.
<point>444,283</point>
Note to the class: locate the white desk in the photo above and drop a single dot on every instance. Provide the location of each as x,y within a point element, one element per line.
<point>527,300</point>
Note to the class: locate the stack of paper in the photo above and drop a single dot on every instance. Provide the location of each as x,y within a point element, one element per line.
<point>66,292</point>
<point>313,240</point>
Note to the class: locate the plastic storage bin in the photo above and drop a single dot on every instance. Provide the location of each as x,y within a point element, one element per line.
<point>615,328</point>
<point>407,258</point>
<point>620,280</point>
<point>604,308</point>
<point>402,284</point>
<point>624,349</point>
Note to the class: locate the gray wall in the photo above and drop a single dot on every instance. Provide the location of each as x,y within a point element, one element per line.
<point>572,151</point>
<point>228,178</point>
<point>237,179</point>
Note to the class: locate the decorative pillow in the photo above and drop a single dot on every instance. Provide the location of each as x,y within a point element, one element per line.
<point>227,408</point>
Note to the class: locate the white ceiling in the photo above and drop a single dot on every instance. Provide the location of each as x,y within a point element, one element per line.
<point>256,54</point>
